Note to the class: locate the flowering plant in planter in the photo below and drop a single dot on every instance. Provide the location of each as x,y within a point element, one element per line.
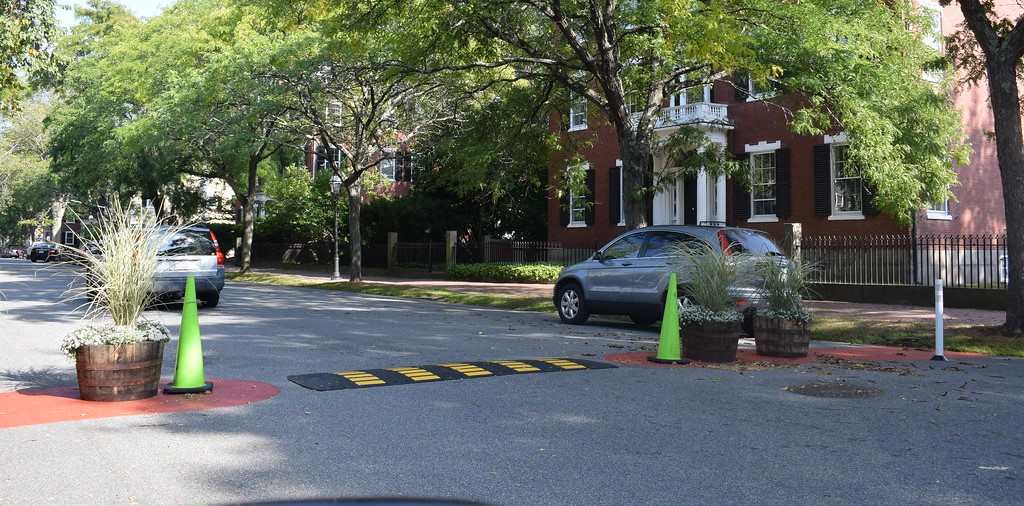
<point>119,354</point>
<point>708,312</point>
<point>781,329</point>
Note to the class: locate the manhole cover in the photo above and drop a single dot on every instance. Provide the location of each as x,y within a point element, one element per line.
<point>834,390</point>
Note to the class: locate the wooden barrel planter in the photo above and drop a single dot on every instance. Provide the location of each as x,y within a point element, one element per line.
<point>780,337</point>
<point>122,372</point>
<point>711,342</point>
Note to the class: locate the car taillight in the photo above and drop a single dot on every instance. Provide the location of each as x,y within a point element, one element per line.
<point>723,240</point>
<point>741,303</point>
<point>216,248</point>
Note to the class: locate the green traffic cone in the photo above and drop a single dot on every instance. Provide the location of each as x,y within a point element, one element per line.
<point>188,372</point>
<point>668,343</point>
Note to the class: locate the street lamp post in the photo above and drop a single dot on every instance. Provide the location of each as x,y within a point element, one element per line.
<point>335,191</point>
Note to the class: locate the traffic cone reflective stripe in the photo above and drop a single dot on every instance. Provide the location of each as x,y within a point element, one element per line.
<point>188,372</point>
<point>669,342</point>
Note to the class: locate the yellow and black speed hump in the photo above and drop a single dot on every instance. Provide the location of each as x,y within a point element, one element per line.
<point>441,372</point>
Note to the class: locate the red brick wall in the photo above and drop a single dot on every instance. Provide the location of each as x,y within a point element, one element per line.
<point>978,208</point>
<point>758,121</point>
<point>602,153</point>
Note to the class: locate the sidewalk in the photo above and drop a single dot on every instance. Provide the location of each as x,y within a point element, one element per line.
<point>520,289</point>
<point>825,309</point>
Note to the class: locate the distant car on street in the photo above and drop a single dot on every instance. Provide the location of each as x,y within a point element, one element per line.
<point>193,251</point>
<point>8,252</point>
<point>629,275</point>
<point>44,252</point>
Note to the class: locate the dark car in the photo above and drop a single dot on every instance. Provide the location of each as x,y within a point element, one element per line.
<point>43,252</point>
<point>629,275</point>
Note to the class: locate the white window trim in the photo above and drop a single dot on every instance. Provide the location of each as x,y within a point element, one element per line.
<point>69,235</point>
<point>574,127</point>
<point>389,156</point>
<point>840,139</point>
<point>622,200</point>
<point>944,215</point>
<point>572,197</point>
<point>754,97</point>
<point>760,148</point>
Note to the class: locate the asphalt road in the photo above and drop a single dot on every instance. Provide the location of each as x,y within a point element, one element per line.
<point>937,434</point>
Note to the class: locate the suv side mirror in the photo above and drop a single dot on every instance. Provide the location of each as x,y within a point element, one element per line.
<point>598,256</point>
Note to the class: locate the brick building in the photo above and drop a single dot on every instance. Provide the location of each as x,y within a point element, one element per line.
<point>796,179</point>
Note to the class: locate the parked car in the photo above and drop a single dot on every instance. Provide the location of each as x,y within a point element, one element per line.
<point>629,275</point>
<point>193,251</point>
<point>44,252</point>
<point>8,252</point>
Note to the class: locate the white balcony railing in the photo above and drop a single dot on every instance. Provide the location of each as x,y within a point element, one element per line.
<point>702,112</point>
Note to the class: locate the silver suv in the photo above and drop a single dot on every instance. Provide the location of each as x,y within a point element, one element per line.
<point>191,252</point>
<point>629,275</point>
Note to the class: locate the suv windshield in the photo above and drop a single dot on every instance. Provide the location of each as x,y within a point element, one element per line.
<point>750,241</point>
<point>188,242</point>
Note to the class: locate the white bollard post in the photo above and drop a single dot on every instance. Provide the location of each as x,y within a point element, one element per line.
<point>939,309</point>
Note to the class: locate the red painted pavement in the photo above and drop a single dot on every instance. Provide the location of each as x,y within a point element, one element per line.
<point>853,353</point>
<point>34,406</point>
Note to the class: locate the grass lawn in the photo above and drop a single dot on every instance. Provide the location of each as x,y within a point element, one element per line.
<point>969,338</point>
<point>886,333</point>
<point>438,294</point>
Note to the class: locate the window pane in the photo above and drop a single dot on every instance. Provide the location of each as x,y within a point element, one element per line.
<point>695,95</point>
<point>578,112</point>
<point>387,167</point>
<point>627,247</point>
<point>764,192</point>
<point>848,195</point>
<point>187,242</point>
<point>764,207</point>
<point>751,241</point>
<point>660,244</point>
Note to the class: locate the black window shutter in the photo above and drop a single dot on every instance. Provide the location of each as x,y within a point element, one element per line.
<point>591,201</point>
<point>741,196</point>
<point>783,184</point>
<point>614,197</point>
<point>711,93</point>
<point>870,209</point>
<point>690,200</point>
<point>740,84</point>
<point>822,180</point>
<point>563,208</point>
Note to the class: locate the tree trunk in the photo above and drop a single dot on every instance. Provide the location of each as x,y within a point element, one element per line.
<point>355,238</point>
<point>1005,97</point>
<point>637,176</point>
<point>248,217</point>
<point>58,207</point>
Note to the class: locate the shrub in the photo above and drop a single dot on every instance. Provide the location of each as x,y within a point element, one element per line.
<point>506,273</point>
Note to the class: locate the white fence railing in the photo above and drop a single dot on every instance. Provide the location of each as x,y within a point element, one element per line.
<point>703,112</point>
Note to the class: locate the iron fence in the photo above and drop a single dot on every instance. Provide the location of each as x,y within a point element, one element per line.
<point>961,261</point>
<point>315,253</point>
<point>428,255</point>
<point>521,252</point>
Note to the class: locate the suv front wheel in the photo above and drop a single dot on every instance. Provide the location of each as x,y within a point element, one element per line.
<point>571,304</point>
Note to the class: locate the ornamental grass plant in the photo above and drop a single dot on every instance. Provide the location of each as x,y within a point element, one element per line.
<point>783,287</point>
<point>115,278</point>
<point>708,276</point>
